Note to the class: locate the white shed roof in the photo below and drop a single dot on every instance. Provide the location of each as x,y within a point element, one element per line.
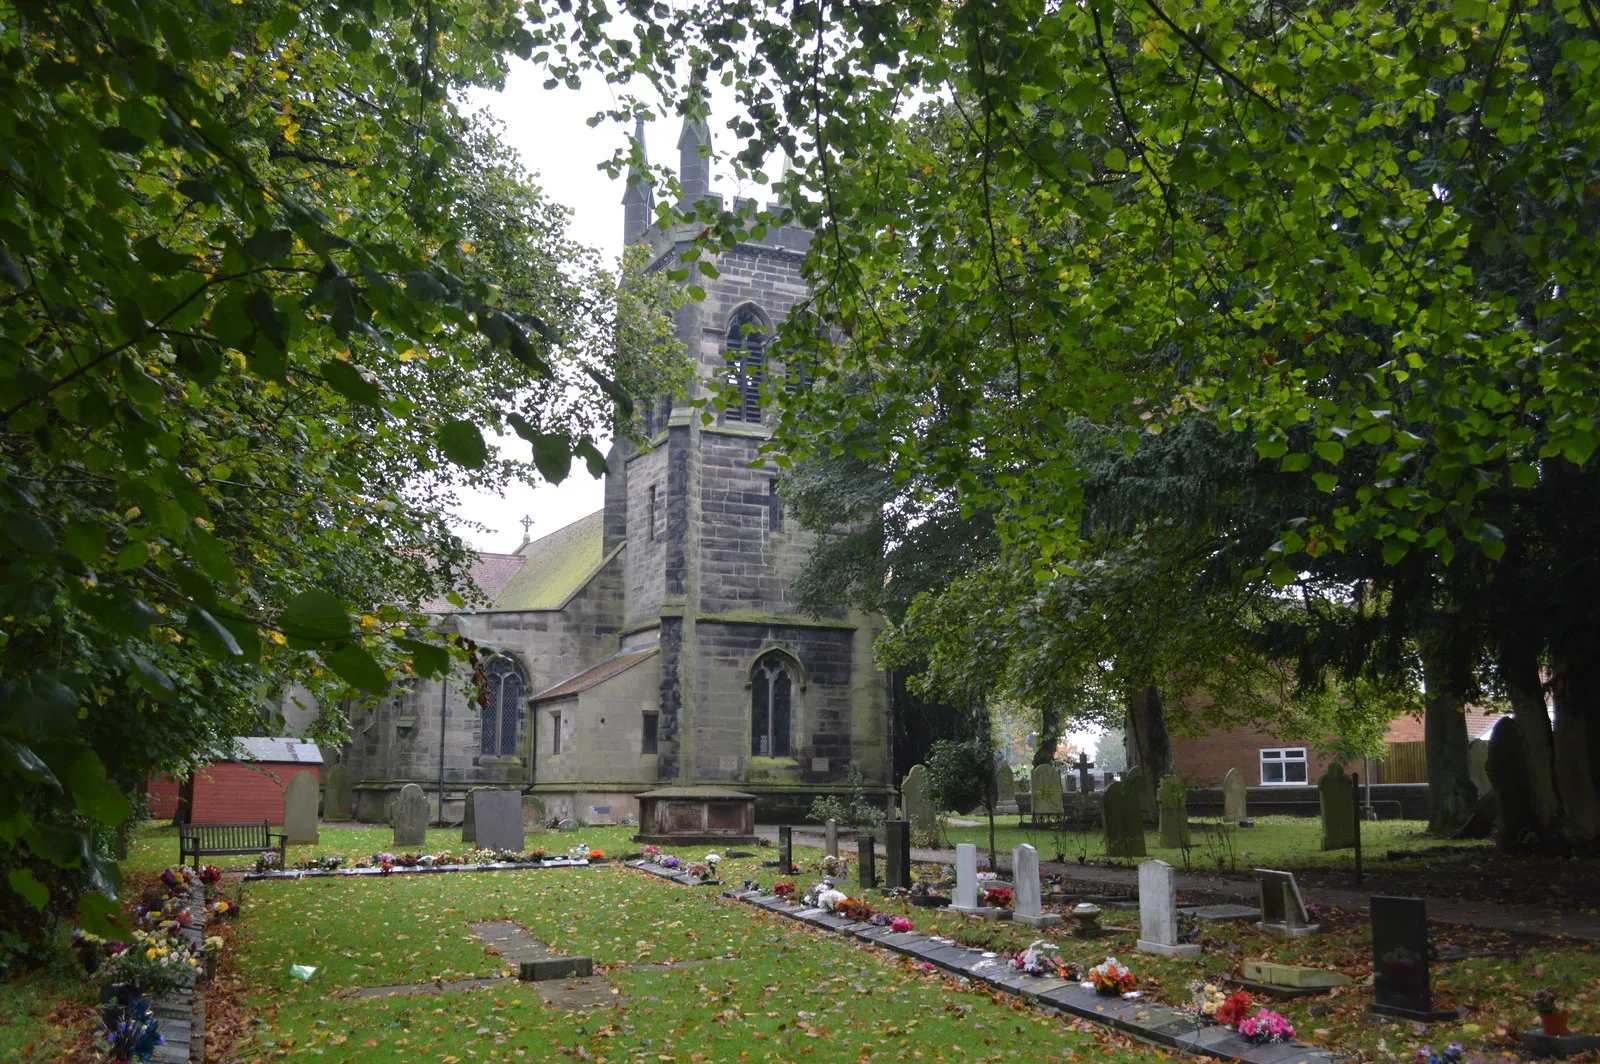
<point>266,748</point>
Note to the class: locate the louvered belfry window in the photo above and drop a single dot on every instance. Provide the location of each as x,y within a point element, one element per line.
<point>747,363</point>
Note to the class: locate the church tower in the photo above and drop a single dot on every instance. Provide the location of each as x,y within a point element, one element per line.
<point>752,694</point>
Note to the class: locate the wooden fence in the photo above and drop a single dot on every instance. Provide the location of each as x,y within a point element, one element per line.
<point>1405,763</point>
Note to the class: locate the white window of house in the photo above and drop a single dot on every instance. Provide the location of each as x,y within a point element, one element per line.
<point>1283,766</point>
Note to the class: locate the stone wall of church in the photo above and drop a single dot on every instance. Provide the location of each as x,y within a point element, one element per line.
<point>646,553</point>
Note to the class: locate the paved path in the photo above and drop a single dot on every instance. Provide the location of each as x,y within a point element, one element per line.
<point>1494,917</point>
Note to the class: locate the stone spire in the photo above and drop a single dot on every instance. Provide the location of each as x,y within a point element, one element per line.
<point>694,169</point>
<point>639,201</point>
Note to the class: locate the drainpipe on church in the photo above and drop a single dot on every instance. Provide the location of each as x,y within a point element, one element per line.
<point>444,698</point>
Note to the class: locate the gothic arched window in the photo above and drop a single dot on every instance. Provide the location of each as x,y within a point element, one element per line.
<point>501,701</point>
<point>772,688</point>
<point>748,334</point>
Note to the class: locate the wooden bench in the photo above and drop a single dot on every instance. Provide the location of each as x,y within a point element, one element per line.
<point>208,840</point>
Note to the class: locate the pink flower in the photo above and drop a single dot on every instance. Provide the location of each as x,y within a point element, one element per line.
<point>900,923</point>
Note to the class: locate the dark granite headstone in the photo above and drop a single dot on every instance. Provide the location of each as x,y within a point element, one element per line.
<point>785,850</point>
<point>867,861</point>
<point>1400,985</point>
<point>1124,821</point>
<point>897,859</point>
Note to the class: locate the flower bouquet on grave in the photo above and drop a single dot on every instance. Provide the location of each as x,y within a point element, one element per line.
<point>332,862</point>
<point>537,853</point>
<point>1454,1053</point>
<point>91,951</point>
<point>580,852</point>
<point>712,859</point>
<point>669,861</point>
<point>1552,1018</point>
<point>1111,977</point>
<point>834,866</point>
<point>597,855</point>
<point>1040,958</point>
<point>210,875</point>
<point>224,910</point>
<point>783,890</point>
<point>1205,999</point>
<point>408,860</point>
<point>650,853</point>
<point>699,871</point>
<point>1234,1009</point>
<point>853,909</point>
<point>132,1033</point>
<point>154,963</point>
<point>880,919</point>
<point>481,857</point>
<point>900,923</point>
<point>1265,1027</point>
<point>999,897</point>
<point>271,861</point>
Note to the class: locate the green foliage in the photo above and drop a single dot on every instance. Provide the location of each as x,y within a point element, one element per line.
<point>961,775</point>
<point>265,293</point>
<point>857,811</point>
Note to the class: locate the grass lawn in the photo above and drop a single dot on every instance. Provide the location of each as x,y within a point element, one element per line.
<point>769,990</point>
<point>27,1030</point>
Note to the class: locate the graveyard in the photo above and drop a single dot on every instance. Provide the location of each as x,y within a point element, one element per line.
<point>655,960</point>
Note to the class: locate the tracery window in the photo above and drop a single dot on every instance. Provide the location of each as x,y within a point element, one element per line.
<point>500,700</point>
<point>747,363</point>
<point>772,687</point>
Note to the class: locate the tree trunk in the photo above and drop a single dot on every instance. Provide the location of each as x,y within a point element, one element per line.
<point>1519,672</point>
<point>1044,752</point>
<point>1574,681</point>
<point>1451,792</point>
<point>1148,745</point>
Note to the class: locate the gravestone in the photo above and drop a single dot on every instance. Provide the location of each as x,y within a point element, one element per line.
<point>830,838</point>
<point>1337,795</point>
<point>785,850</point>
<point>409,817</point>
<point>1158,911</point>
<point>1175,822</point>
<point>1135,778</point>
<point>897,855</point>
<point>1047,791</point>
<point>1283,910</point>
<point>469,818</point>
<point>300,810</point>
<point>1233,797</point>
<point>338,797</point>
<point>1124,821</point>
<point>1400,983</point>
<point>499,819</point>
<point>1291,976</point>
<point>1005,789</point>
<point>1028,904</point>
<point>533,811</point>
<point>965,898</point>
<point>1083,765</point>
<point>919,811</point>
<point>867,861</point>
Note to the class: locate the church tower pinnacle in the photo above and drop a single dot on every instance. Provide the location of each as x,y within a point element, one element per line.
<point>639,201</point>
<point>694,168</point>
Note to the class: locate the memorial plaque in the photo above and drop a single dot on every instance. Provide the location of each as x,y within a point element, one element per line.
<point>897,859</point>
<point>498,815</point>
<point>867,861</point>
<point>785,850</point>
<point>1400,983</point>
<point>1283,910</point>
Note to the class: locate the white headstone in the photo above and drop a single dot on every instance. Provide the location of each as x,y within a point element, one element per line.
<point>1025,881</point>
<point>410,817</point>
<point>965,899</point>
<point>498,817</point>
<point>1158,911</point>
<point>830,838</point>
<point>1046,790</point>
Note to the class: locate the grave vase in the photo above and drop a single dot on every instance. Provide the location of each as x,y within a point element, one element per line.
<point>1554,1023</point>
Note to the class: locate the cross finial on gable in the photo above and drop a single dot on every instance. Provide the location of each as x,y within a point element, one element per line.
<point>527,523</point>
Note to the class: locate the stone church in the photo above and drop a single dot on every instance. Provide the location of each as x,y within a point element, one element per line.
<point>653,643</point>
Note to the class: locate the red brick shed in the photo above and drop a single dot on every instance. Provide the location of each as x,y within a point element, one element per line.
<point>245,787</point>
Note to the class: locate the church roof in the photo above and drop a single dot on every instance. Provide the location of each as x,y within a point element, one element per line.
<point>599,673</point>
<point>490,572</point>
<point>551,568</point>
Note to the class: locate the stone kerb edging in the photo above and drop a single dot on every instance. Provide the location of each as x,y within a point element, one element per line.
<point>681,878</point>
<point>1152,1022</point>
<point>182,1012</point>
<point>410,870</point>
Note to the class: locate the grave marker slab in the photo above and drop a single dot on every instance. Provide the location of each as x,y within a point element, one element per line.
<point>499,819</point>
<point>919,811</point>
<point>897,855</point>
<point>300,810</point>
<point>409,817</point>
<point>1335,791</point>
<point>469,817</point>
<point>1047,791</point>
<point>830,838</point>
<point>1175,823</point>
<point>867,861</point>
<point>965,898</point>
<point>1082,766</point>
<point>1029,907</point>
<point>1124,820</point>
<point>785,850</point>
<point>1233,797</point>
<point>1158,911</point>
<point>338,797</point>
<point>1283,910</point>
<point>1400,983</point>
<point>1293,975</point>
